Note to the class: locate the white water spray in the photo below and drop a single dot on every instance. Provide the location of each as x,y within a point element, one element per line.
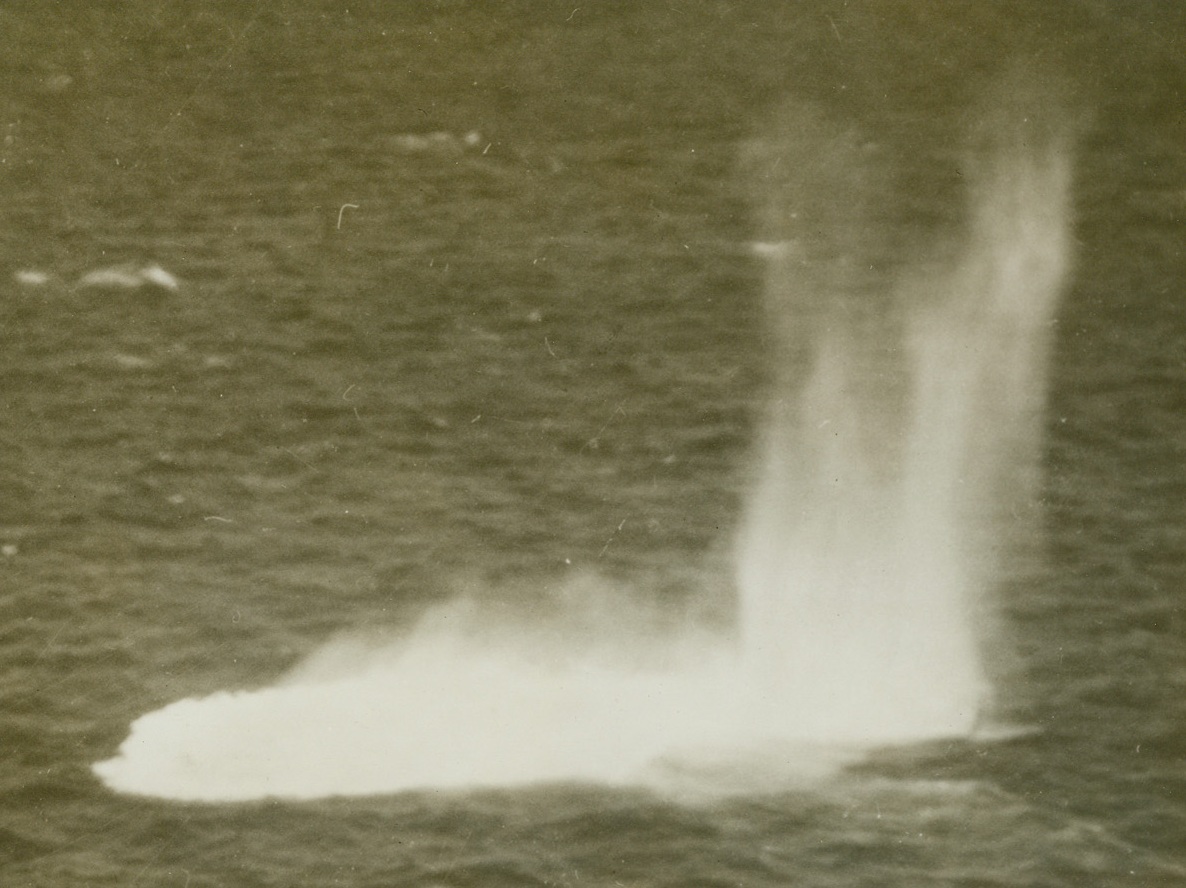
<point>905,423</point>
<point>905,436</point>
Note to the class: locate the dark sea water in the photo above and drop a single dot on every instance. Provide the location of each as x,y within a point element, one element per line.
<point>467,303</point>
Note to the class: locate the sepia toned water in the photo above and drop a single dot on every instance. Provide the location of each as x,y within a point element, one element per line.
<point>468,307</point>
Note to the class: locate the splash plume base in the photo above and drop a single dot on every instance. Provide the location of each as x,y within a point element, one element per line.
<point>443,713</point>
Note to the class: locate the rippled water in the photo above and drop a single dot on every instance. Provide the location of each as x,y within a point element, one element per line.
<point>405,363</point>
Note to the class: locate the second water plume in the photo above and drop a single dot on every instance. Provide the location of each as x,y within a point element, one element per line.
<point>903,439</point>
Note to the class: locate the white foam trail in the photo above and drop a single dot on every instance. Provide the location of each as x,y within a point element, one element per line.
<point>905,422</point>
<point>448,708</point>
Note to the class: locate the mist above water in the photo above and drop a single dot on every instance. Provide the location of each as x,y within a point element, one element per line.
<point>903,431</point>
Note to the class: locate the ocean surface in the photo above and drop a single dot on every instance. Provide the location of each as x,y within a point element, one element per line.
<point>467,304</point>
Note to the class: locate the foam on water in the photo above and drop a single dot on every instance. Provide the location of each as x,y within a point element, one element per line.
<point>458,705</point>
<point>446,708</point>
<point>905,423</point>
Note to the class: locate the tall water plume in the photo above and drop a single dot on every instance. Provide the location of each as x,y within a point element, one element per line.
<point>903,438</point>
<point>897,468</point>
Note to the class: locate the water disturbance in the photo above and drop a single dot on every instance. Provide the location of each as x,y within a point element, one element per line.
<point>904,428</point>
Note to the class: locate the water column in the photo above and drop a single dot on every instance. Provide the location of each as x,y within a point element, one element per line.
<point>903,436</point>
